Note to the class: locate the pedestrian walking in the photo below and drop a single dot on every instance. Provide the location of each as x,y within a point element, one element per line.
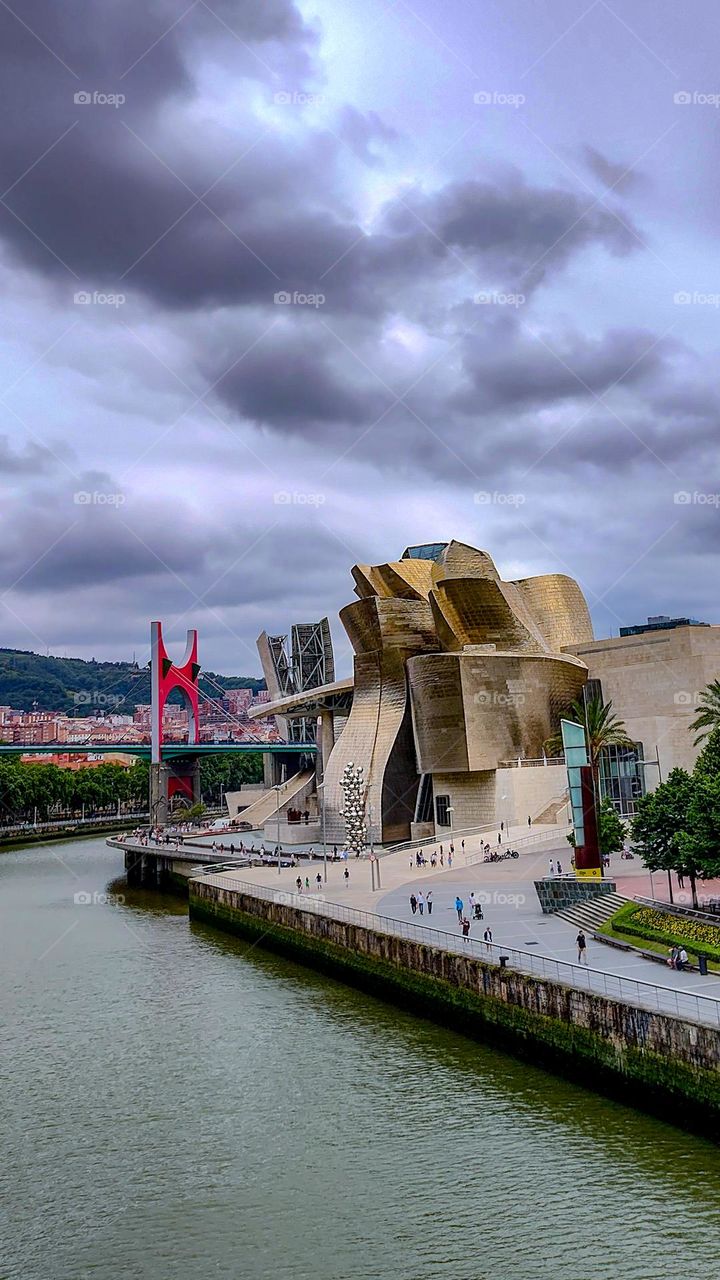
<point>307,883</point>
<point>452,847</point>
<point>471,904</point>
<point>413,903</point>
<point>680,880</point>
<point>551,867</point>
<point>442,859</point>
<point>318,880</point>
<point>499,837</point>
<point>487,937</point>
<point>465,928</point>
<point>459,904</point>
<point>346,874</point>
<point>559,867</point>
<point>582,948</point>
<point>421,903</point>
<point>298,884</point>
<point>502,826</point>
<point>450,860</point>
<point>462,845</point>
<point>429,901</point>
<point>529,820</point>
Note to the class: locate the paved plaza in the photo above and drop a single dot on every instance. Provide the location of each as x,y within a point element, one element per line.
<point>507,893</point>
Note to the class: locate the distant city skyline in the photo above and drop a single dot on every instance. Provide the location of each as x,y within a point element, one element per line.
<point>287,285</point>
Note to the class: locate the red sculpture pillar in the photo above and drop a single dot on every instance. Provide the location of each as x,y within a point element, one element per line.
<point>166,676</point>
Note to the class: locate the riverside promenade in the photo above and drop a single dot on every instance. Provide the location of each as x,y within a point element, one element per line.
<point>652,1045</point>
<point>506,892</point>
<point>683,999</point>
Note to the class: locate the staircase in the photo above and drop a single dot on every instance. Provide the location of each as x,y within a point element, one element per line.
<point>260,811</point>
<point>593,912</point>
<point>550,814</point>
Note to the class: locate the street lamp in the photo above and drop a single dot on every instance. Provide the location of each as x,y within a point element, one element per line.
<point>277,789</point>
<point>450,812</point>
<point>321,789</point>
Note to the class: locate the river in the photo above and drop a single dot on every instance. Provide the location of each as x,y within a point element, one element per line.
<point>179,1104</point>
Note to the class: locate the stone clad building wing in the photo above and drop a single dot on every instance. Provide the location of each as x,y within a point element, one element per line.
<point>455,671</point>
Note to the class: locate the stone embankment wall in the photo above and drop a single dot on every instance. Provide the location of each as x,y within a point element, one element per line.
<point>651,1060</point>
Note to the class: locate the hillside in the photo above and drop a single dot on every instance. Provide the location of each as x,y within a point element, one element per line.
<point>29,681</point>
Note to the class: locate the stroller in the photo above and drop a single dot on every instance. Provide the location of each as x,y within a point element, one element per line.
<point>478,912</point>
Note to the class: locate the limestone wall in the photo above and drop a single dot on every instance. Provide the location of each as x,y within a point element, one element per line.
<point>651,1059</point>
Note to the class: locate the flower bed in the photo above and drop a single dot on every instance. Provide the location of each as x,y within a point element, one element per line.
<point>654,925</point>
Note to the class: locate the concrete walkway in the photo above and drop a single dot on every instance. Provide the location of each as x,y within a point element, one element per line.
<point>507,893</point>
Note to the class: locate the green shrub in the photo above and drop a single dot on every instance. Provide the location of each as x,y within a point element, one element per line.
<point>651,925</point>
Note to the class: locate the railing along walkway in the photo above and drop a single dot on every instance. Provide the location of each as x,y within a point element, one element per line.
<point>647,995</point>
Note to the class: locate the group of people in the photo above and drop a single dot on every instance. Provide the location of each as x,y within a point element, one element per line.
<point>418,859</point>
<point>677,958</point>
<point>419,901</point>
<point>555,869</point>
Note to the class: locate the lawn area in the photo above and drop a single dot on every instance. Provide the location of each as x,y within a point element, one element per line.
<point>658,930</point>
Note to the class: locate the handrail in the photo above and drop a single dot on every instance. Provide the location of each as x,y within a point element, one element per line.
<point>672,1000</point>
<point>523,842</point>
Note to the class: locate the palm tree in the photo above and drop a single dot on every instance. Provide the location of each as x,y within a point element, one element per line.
<point>708,717</point>
<point>602,729</point>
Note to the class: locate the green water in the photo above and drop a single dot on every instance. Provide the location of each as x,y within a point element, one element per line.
<point>180,1104</point>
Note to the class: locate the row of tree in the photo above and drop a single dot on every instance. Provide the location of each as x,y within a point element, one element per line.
<point>677,826</point>
<point>41,792</point>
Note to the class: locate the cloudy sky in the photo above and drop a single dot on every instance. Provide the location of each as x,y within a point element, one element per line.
<point>289,286</point>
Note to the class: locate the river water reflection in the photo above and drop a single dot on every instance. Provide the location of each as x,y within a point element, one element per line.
<point>180,1104</point>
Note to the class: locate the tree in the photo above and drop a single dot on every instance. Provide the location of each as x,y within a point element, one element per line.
<point>661,824</point>
<point>707,719</point>
<point>602,729</point>
<point>700,843</point>
<point>611,829</point>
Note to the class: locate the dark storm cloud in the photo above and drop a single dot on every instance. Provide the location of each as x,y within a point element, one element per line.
<point>27,461</point>
<point>291,381</point>
<point>618,177</point>
<point>219,217</point>
<point>511,227</point>
<point>517,367</point>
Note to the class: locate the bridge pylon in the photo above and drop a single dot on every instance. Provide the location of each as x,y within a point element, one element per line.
<point>176,777</point>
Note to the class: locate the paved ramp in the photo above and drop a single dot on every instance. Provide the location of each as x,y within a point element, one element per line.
<point>267,806</point>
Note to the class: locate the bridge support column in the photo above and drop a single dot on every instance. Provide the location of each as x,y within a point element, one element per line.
<point>169,779</point>
<point>327,738</point>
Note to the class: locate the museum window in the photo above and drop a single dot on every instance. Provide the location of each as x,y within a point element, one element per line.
<point>442,811</point>
<point>622,777</point>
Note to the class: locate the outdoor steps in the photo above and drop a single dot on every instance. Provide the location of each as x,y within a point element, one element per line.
<point>549,815</point>
<point>592,912</point>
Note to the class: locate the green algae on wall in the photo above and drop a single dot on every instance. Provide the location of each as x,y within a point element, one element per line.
<point>649,1059</point>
